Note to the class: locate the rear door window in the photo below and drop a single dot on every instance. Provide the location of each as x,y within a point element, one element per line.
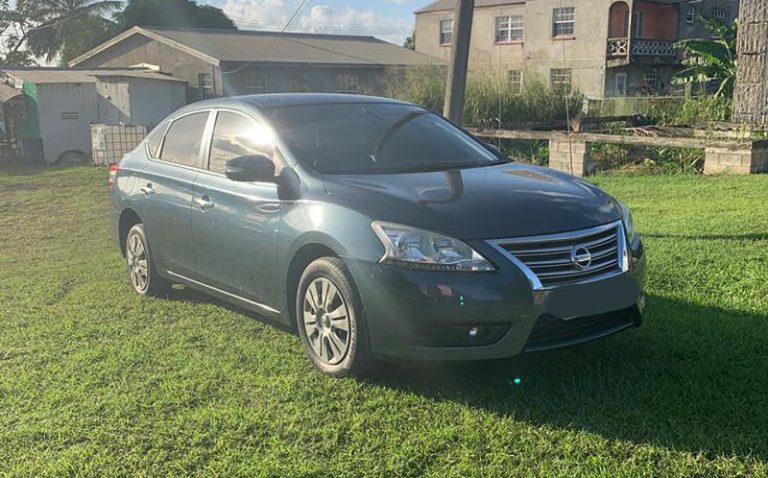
<point>155,138</point>
<point>184,138</point>
<point>236,135</point>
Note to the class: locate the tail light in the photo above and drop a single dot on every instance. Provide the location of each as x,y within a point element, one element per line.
<point>113,175</point>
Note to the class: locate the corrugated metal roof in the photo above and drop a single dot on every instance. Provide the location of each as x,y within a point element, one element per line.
<point>443,5</point>
<point>59,75</point>
<point>258,46</point>
<point>8,92</point>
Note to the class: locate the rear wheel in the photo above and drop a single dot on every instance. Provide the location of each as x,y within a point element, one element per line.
<point>141,268</point>
<point>330,319</point>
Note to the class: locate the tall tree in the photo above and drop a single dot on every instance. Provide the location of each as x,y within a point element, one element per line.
<point>750,98</point>
<point>410,41</point>
<point>56,29</point>
<point>172,13</point>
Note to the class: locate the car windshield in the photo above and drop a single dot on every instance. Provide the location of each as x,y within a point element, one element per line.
<point>376,138</point>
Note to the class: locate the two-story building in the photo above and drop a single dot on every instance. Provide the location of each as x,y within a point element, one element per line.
<point>605,48</point>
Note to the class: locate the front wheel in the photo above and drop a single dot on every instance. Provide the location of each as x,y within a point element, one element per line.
<point>330,319</point>
<point>141,268</point>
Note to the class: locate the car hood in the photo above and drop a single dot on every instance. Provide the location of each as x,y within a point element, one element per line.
<point>501,201</point>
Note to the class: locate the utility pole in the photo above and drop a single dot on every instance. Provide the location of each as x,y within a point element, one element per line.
<point>750,96</point>
<point>457,73</point>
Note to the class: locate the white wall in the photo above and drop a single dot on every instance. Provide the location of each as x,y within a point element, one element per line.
<point>59,134</point>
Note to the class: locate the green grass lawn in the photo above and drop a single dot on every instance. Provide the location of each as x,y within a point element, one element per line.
<point>96,381</point>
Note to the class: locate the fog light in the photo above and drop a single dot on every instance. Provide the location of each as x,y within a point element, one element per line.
<point>473,332</point>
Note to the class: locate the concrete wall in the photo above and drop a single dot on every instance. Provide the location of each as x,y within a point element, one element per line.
<point>538,53</point>
<point>585,54</point>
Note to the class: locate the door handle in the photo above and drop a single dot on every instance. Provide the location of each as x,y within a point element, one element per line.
<point>270,208</point>
<point>204,203</point>
<point>148,190</point>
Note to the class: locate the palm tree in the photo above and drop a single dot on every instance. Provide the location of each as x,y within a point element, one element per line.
<point>62,28</point>
<point>711,60</point>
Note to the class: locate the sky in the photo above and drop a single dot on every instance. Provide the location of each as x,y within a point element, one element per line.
<point>390,20</point>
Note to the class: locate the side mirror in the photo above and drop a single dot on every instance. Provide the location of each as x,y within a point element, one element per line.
<point>255,167</point>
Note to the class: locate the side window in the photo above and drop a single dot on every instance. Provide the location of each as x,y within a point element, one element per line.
<point>182,143</point>
<point>235,135</point>
<point>155,138</point>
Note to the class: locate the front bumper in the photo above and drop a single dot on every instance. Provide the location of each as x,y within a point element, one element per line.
<point>402,305</point>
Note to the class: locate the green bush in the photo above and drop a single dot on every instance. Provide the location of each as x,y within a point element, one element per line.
<point>490,101</point>
<point>694,111</point>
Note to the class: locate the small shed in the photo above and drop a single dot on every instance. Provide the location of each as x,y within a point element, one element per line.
<point>60,105</point>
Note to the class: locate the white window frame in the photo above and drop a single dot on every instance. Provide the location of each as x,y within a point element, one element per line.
<point>620,84</point>
<point>256,82</point>
<point>690,15</point>
<point>510,28</point>
<point>563,18</point>
<point>203,87</point>
<point>720,14</point>
<point>446,31</point>
<point>561,79</point>
<point>515,81</point>
<point>348,83</point>
<point>651,78</point>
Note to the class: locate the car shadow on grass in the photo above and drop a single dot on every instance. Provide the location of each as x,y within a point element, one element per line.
<point>692,378</point>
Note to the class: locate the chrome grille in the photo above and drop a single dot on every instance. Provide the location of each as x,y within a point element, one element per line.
<point>568,258</point>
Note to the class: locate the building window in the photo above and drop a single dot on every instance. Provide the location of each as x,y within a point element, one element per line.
<point>620,85</point>
<point>205,85</point>
<point>255,82</point>
<point>509,29</point>
<point>446,32</point>
<point>638,24</point>
<point>720,14</point>
<point>651,79</point>
<point>515,80</point>
<point>347,83</point>
<point>560,79</point>
<point>563,21</point>
<point>690,14</point>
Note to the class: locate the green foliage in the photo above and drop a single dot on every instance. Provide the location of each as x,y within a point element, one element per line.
<point>410,41</point>
<point>172,13</point>
<point>711,59</point>
<point>54,28</point>
<point>693,111</point>
<point>98,382</point>
<point>490,101</point>
<point>646,160</point>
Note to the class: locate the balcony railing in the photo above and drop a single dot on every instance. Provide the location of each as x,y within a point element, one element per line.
<point>618,47</point>
<point>653,48</point>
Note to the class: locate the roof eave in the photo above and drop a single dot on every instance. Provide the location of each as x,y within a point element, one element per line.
<point>137,30</point>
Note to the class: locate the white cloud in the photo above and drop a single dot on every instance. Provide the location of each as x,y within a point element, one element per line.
<point>273,14</point>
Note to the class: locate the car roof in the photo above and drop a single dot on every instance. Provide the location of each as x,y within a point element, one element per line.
<point>269,101</point>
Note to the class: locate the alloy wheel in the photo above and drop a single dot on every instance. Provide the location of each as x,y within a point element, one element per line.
<point>326,321</point>
<point>138,268</point>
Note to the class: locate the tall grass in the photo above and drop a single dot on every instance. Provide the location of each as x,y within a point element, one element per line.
<point>694,111</point>
<point>491,101</point>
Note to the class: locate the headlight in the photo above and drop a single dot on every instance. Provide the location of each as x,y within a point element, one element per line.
<point>410,247</point>
<point>629,225</point>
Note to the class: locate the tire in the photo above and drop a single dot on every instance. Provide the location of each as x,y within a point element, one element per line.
<point>327,303</point>
<point>141,267</point>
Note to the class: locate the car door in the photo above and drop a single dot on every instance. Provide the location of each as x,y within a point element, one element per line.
<point>235,224</point>
<point>167,184</point>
